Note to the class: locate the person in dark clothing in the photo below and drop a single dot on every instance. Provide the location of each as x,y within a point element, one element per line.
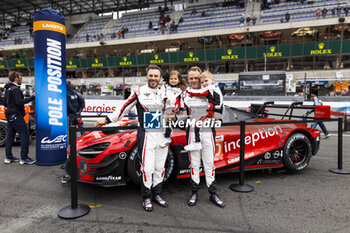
<point>287,17</point>
<point>346,10</point>
<point>14,102</point>
<point>75,105</point>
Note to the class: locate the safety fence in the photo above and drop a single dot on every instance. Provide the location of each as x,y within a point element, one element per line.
<point>76,210</point>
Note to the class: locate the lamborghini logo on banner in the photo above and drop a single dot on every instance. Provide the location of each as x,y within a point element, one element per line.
<point>191,58</point>
<point>97,64</point>
<point>321,50</point>
<point>273,53</point>
<point>125,62</point>
<point>156,60</point>
<point>230,56</point>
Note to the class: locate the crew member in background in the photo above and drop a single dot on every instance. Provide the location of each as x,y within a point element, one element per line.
<point>148,98</point>
<point>75,104</point>
<point>195,104</point>
<point>14,102</point>
<point>314,98</point>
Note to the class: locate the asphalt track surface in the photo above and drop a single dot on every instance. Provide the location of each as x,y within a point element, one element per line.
<point>313,200</point>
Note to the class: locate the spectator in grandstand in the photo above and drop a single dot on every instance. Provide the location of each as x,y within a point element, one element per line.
<point>194,11</point>
<point>101,35</point>
<point>287,16</point>
<point>247,19</point>
<point>119,34</point>
<point>164,21</point>
<point>333,12</point>
<point>302,1</point>
<point>346,10</point>
<point>314,98</point>
<point>338,10</point>
<point>215,5</point>
<point>318,13</point>
<point>181,20</point>
<point>173,27</point>
<point>254,20</point>
<point>282,19</point>
<point>150,25</point>
<point>87,37</point>
<point>204,13</point>
<point>241,20</point>
<point>168,18</point>
<point>324,12</point>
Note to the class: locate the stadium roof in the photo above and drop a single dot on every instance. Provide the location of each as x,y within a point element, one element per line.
<point>22,10</point>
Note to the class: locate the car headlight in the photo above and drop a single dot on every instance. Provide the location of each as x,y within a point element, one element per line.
<point>91,152</point>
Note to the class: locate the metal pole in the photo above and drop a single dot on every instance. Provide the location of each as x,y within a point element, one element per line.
<point>241,187</point>
<point>340,169</point>
<point>75,210</point>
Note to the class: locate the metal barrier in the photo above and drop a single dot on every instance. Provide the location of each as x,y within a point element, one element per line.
<point>76,210</point>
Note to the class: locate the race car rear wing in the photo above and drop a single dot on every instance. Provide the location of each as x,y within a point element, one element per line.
<point>321,111</point>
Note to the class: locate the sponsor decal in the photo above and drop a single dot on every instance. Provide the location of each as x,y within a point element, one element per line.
<point>262,134</point>
<point>273,53</point>
<point>278,153</point>
<point>321,50</point>
<point>2,66</point>
<point>229,55</point>
<point>190,58</point>
<point>267,155</point>
<point>122,155</point>
<point>99,109</point>
<point>125,62</point>
<point>246,156</point>
<point>19,64</point>
<point>272,161</point>
<point>70,65</point>
<point>156,60</point>
<point>97,63</point>
<point>108,178</point>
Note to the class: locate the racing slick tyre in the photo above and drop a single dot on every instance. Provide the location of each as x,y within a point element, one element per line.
<point>3,133</point>
<point>134,166</point>
<point>297,152</point>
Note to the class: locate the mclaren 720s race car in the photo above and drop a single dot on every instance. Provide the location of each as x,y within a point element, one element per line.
<point>110,158</point>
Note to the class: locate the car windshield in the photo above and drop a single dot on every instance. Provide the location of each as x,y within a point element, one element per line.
<point>235,115</point>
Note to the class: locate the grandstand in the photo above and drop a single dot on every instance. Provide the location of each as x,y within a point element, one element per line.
<point>217,40</point>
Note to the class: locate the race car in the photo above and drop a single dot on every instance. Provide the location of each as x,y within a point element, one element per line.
<point>270,34</point>
<point>305,32</point>
<point>110,158</point>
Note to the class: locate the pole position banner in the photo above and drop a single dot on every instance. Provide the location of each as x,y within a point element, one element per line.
<point>50,87</point>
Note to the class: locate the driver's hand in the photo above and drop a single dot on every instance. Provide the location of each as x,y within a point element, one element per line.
<point>100,123</point>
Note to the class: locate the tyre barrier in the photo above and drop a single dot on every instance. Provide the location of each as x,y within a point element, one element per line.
<point>76,210</point>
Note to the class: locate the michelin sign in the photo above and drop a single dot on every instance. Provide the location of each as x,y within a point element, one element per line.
<point>50,87</point>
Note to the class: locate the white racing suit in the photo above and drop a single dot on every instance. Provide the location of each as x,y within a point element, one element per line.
<point>148,140</point>
<point>196,108</point>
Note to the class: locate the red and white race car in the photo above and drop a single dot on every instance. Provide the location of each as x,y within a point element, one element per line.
<point>111,158</point>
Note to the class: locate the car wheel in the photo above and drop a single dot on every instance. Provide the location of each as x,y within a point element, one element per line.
<point>297,152</point>
<point>134,166</point>
<point>3,133</point>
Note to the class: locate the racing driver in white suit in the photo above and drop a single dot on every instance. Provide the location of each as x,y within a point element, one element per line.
<point>147,98</point>
<point>197,107</point>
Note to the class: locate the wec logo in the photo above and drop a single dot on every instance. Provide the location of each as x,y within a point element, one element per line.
<point>58,139</point>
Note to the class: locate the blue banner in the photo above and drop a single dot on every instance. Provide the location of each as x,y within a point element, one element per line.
<point>50,87</point>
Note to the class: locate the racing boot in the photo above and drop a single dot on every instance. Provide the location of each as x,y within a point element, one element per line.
<point>216,200</point>
<point>165,143</point>
<point>193,146</point>
<point>160,201</point>
<point>193,199</point>
<point>147,204</point>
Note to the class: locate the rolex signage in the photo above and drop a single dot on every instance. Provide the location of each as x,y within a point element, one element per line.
<point>70,65</point>
<point>156,60</point>
<point>19,64</point>
<point>97,63</point>
<point>273,53</point>
<point>229,55</point>
<point>125,62</point>
<point>191,58</point>
<point>321,50</point>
